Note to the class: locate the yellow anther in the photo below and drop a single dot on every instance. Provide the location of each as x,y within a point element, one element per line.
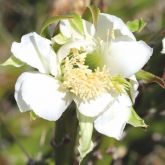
<point>84,82</point>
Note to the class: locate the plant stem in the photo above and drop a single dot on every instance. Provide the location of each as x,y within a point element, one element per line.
<point>65,137</point>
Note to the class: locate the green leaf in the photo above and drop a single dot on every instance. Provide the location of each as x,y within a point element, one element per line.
<point>32,116</point>
<point>86,129</point>
<point>52,20</point>
<point>87,15</point>
<point>149,78</point>
<point>12,61</point>
<point>105,143</point>
<point>60,39</point>
<point>91,14</point>
<point>136,25</point>
<point>136,120</point>
<point>74,19</point>
<point>77,23</point>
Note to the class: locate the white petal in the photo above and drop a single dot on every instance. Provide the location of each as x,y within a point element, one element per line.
<point>112,122</point>
<point>89,28</point>
<point>65,50</point>
<point>36,51</point>
<point>41,93</point>
<point>68,31</point>
<point>126,58</point>
<point>135,82</point>
<point>135,85</point>
<point>108,23</point>
<point>163,44</point>
<point>94,107</point>
<point>18,95</point>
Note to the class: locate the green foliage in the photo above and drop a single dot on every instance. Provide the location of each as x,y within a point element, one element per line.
<point>136,25</point>
<point>135,120</point>
<point>104,156</point>
<point>74,19</point>
<point>32,116</point>
<point>91,14</point>
<point>52,20</point>
<point>12,61</point>
<point>149,78</point>
<point>27,139</point>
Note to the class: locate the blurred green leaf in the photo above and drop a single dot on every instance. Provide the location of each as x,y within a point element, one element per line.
<point>105,157</point>
<point>29,139</point>
<point>136,120</point>
<point>12,61</point>
<point>74,19</point>
<point>136,25</point>
<point>32,116</point>
<point>149,78</point>
<point>91,14</point>
<point>52,20</point>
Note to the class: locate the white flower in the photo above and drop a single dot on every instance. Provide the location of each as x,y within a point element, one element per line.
<point>123,54</point>
<point>163,44</point>
<point>73,74</point>
<point>39,91</point>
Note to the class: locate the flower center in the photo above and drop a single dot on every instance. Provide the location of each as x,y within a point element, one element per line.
<point>85,80</point>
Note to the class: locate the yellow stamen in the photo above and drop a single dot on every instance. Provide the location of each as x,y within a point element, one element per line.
<point>84,82</point>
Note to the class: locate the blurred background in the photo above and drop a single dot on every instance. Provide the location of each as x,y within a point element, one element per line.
<point>25,141</point>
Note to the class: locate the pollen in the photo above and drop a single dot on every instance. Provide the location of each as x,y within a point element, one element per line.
<point>80,80</point>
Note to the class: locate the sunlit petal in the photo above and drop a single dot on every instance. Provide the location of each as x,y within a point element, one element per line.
<point>37,52</point>
<point>134,90</point>
<point>127,57</point>
<point>108,24</point>
<point>68,31</point>
<point>112,122</point>
<point>41,93</point>
<point>94,107</point>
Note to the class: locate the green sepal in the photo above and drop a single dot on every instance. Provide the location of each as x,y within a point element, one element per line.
<point>91,14</point>
<point>77,23</point>
<point>135,120</point>
<point>85,135</point>
<point>33,116</point>
<point>75,20</point>
<point>136,25</point>
<point>149,78</point>
<point>52,20</point>
<point>12,61</point>
<point>60,39</point>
